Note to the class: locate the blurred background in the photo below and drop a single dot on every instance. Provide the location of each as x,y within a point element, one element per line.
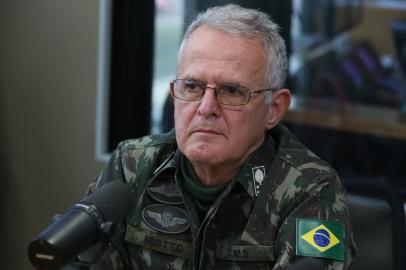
<point>48,68</point>
<point>77,77</point>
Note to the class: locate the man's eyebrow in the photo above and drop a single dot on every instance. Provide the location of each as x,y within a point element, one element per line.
<point>217,82</point>
<point>191,78</point>
<point>235,84</point>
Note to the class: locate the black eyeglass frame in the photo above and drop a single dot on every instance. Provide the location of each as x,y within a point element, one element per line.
<point>215,88</point>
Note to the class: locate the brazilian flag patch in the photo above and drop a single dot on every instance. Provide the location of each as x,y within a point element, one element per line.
<point>320,238</point>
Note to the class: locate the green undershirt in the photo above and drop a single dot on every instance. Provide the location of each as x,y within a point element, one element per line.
<point>202,195</point>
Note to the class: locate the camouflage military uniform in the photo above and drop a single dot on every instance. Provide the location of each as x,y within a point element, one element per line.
<point>251,225</point>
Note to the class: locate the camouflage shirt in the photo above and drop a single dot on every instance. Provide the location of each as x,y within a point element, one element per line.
<point>253,224</point>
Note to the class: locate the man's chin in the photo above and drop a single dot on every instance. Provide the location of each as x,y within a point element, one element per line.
<point>203,155</point>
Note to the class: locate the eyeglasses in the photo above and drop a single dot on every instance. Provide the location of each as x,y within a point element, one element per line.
<point>234,95</point>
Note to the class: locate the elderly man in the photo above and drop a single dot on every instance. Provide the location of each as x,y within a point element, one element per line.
<point>230,187</point>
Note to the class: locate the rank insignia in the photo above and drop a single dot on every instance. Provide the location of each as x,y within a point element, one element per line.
<point>166,218</point>
<point>320,238</point>
<point>164,189</point>
<point>258,176</point>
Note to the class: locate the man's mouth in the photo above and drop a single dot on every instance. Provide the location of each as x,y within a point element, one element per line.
<point>207,131</point>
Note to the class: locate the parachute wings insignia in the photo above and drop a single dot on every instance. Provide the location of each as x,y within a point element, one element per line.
<point>163,188</point>
<point>168,189</point>
<point>166,218</point>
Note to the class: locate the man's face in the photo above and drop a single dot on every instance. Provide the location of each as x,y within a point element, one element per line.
<point>210,133</point>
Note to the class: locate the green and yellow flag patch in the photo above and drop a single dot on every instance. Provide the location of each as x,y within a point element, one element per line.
<point>320,238</point>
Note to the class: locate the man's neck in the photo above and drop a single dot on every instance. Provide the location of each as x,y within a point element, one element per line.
<point>215,175</point>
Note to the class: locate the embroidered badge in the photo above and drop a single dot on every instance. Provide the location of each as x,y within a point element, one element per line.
<point>258,176</point>
<point>166,218</point>
<point>320,238</point>
<point>163,188</point>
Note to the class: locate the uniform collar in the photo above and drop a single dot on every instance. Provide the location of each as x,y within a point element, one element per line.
<point>255,169</point>
<point>258,162</point>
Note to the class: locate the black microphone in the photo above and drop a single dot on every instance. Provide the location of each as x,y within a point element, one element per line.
<point>81,226</point>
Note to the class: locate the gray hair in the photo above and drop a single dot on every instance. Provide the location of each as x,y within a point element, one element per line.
<point>251,23</point>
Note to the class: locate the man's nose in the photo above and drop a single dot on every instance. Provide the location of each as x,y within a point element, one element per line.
<point>209,105</point>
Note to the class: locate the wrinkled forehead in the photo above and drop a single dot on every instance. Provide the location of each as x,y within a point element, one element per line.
<point>221,51</point>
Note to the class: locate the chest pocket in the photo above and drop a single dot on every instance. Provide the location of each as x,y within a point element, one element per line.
<point>175,246</point>
<point>244,253</point>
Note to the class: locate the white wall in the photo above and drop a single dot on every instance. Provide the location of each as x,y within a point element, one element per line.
<point>48,57</point>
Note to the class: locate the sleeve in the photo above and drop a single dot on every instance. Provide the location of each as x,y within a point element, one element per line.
<point>316,232</point>
<point>112,172</point>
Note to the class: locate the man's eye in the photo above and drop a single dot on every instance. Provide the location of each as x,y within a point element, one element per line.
<point>231,90</point>
<point>192,86</point>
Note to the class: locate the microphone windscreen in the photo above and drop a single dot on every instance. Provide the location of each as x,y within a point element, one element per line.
<point>113,200</point>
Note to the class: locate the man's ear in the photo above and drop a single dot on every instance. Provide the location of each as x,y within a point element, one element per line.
<point>279,104</point>
<point>171,85</point>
